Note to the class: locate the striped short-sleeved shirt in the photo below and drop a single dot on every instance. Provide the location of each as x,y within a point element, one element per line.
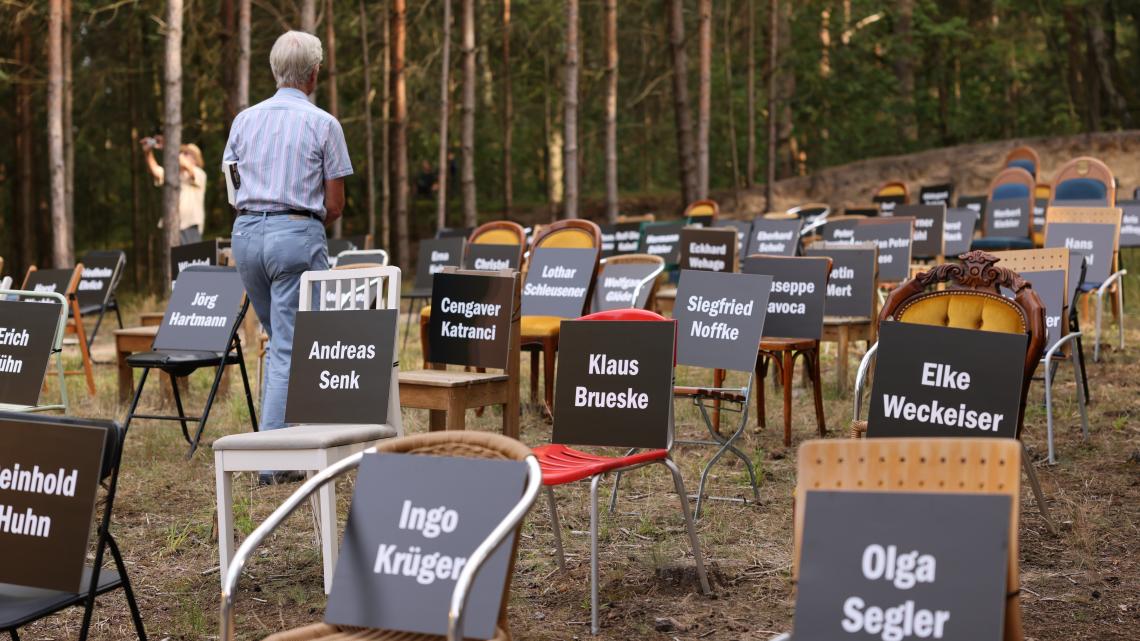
<point>286,148</point>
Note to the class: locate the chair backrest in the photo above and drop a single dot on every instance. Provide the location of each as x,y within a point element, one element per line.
<point>1025,158</point>
<point>636,218</point>
<point>811,211</point>
<point>1108,217</point>
<point>1012,182</point>
<point>334,288</point>
<point>95,288</point>
<point>574,233</point>
<point>892,191</point>
<point>1030,261</point>
<point>351,257</point>
<point>63,281</point>
<point>1085,180</point>
<point>950,465</point>
<point>702,211</point>
<point>498,232</point>
<point>204,311</point>
<point>650,267</point>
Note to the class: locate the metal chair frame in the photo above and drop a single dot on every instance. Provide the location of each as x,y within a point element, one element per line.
<point>57,347</point>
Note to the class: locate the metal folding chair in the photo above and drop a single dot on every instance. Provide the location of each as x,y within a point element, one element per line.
<point>57,345</point>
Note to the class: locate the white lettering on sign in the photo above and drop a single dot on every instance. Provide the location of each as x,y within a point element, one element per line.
<point>840,291</point>
<point>438,256</point>
<point>558,271</point>
<point>350,380</point>
<point>1006,218</point>
<point>793,287</point>
<point>97,272</point>
<point>784,307</point>
<point>934,413</point>
<point>178,319</point>
<point>718,330</point>
<point>1052,321</point>
<point>468,309</point>
<point>27,524</point>
<point>844,234</point>
<point>341,351</point>
<point>628,399</point>
<point>902,570</point>
<point>45,287</point>
<point>604,365</point>
<point>90,285</point>
<point>448,329</point>
<point>201,299</point>
<point>770,248</point>
<point>708,264</point>
<point>941,375</point>
<point>425,568</point>
<point>656,239</point>
<point>620,282</point>
<point>58,483</point>
<point>842,272</point>
<point>708,248</point>
<point>1078,244</point>
<point>10,365</point>
<point>428,522</point>
<point>936,197</point>
<point>14,337</point>
<point>762,235</point>
<point>714,308</point>
<point>894,624</point>
<point>491,264</point>
<point>183,264</point>
<point>542,289</point>
<point>1130,224</point>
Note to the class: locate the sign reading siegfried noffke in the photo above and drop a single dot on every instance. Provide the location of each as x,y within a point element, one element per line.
<point>900,571</point>
<point>1008,217</point>
<point>98,270</point>
<point>1129,222</point>
<point>929,221</point>
<point>959,232</point>
<point>492,258</point>
<point>413,525</point>
<point>893,237</point>
<point>471,319</point>
<point>1095,241</point>
<point>183,256</point>
<point>709,249</point>
<point>720,318</point>
<point>777,237</point>
<point>615,383</point>
<point>27,331</point>
<point>662,239</point>
<point>851,286</point>
<point>342,366</point>
<point>620,238</point>
<point>944,381</point>
<point>558,281</point>
<point>618,283</point>
<point>201,311</point>
<point>49,477</point>
<point>434,255</point>
<point>795,306</point>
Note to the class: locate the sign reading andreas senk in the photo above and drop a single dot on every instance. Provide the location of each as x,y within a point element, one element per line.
<point>414,523</point>
<point>471,319</point>
<point>342,366</point>
<point>944,381</point>
<point>27,330</point>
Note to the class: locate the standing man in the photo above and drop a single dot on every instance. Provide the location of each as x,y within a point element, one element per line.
<point>291,160</point>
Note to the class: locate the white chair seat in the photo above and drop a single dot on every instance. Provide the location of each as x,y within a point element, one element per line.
<point>305,437</point>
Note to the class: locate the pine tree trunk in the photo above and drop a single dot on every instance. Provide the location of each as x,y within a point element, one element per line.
<point>243,55</point>
<point>686,161</point>
<point>611,47</point>
<point>730,96</point>
<point>773,65</point>
<point>904,57</point>
<point>444,117</point>
<point>309,25</point>
<point>750,162</point>
<point>68,129</point>
<point>385,240</point>
<point>570,117</point>
<point>172,131</point>
<point>61,238</point>
<point>704,95</point>
<point>228,18</point>
<point>508,114</point>
<point>398,138</point>
<point>369,149</point>
<point>138,220</point>
<point>467,137</point>
<point>25,158</point>
<point>1098,44</point>
<point>331,81</point>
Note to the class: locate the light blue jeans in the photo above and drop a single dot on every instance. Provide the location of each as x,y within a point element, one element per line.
<point>271,253</point>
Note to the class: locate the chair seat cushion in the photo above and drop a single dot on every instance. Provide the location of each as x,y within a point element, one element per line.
<point>305,437</point>
<point>1080,189</point>
<point>180,359</point>
<point>93,308</point>
<point>20,605</point>
<point>965,311</point>
<point>561,464</point>
<point>326,632</point>
<point>445,378</point>
<point>682,391</point>
<point>777,344</point>
<point>539,326</point>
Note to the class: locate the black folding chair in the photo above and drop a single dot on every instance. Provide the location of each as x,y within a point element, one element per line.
<point>20,606</point>
<point>89,305</point>
<point>180,354</point>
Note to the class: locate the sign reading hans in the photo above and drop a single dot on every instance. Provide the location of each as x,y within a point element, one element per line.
<point>414,523</point>
<point>471,319</point>
<point>558,281</point>
<point>720,318</point>
<point>1096,241</point>
<point>202,310</point>
<point>795,306</point>
<point>27,331</point>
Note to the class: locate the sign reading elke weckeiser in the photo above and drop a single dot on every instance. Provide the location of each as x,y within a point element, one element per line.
<point>342,366</point>
<point>413,525</point>
<point>27,330</point>
<point>49,474</point>
<point>944,381</point>
<point>471,319</point>
<point>558,282</point>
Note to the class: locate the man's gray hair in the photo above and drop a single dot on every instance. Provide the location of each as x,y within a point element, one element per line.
<point>293,58</point>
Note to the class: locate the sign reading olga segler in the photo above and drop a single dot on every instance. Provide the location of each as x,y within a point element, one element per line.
<point>710,249</point>
<point>342,366</point>
<point>27,330</point>
<point>720,318</point>
<point>795,307</point>
<point>49,475</point>
<point>471,319</point>
<point>944,381</point>
<point>413,524</point>
<point>558,282</point>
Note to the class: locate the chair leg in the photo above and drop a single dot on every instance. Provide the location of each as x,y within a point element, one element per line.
<point>178,404</point>
<point>788,378</point>
<point>129,592</point>
<point>12,633</point>
<point>726,446</point>
<point>408,324</point>
<point>762,375</point>
<point>594,551</point>
<point>1038,495</point>
<point>556,527</point>
<point>118,315</point>
<point>248,392</point>
<point>534,377</point>
<point>679,484</point>
<point>817,387</point>
<point>95,329</point>
<point>206,410</point>
<point>327,519</point>
<point>1079,375</point>
<point>1118,312</point>
<point>1049,372</point>
<point>135,401</point>
<point>1096,335</point>
<point>1084,372</point>
<point>549,353</point>
<point>617,481</point>
<point>223,481</point>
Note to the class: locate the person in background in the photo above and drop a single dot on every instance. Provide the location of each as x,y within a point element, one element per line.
<point>192,198</point>
<point>291,160</point>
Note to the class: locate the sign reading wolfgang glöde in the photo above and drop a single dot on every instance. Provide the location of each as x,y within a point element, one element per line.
<point>936,194</point>
<point>662,239</point>
<point>976,204</point>
<point>201,311</point>
<point>1050,288</point>
<point>615,383</point>
<point>27,331</point>
<point>742,228</point>
<point>49,280</point>
<point>471,319</point>
<point>959,232</point>
<point>98,271</point>
<point>851,286</point>
<point>413,525</point>
<point>1129,222</point>
<point>900,571</point>
<point>434,255</point>
<point>893,238</point>
<point>795,306</point>
<point>620,238</point>
<point>492,258</point>
<point>840,231</point>
<point>776,237</point>
<point>1008,217</point>
<point>618,283</point>
<point>342,366</point>
<point>944,381</point>
<point>558,282</point>
<point>183,256</point>
<point>720,318</point>
<point>49,477</point>
<point>1095,241</point>
<point>929,221</point>
<point>710,249</point>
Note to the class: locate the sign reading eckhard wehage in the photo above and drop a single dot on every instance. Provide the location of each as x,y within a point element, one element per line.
<point>183,256</point>
<point>1094,241</point>
<point>708,248</point>
<point>893,237</point>
<point>201,311</point>
<point>98,269</point>
<point>662,239</point>
<point>27,330</point>
<point>780,237</point>
<point>929,222</point>
<point>619,282</point>
<point>471,319</point>
<point>901,570</point>
<point>414,522</point>
<point>1009,217</point>
<point>558,281</point>
<point>434,255</point>
<point>959,232</point>
<point>943,381</point>
<point>720,318</point>
<point>49,476</point>
<point>851,287</point>
<point>615,383</point>
<point>795,307</point>
<point>341,367</point>
<point>492,258</point>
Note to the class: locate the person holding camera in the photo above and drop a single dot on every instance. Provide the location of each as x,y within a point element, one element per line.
<point>192,199</point>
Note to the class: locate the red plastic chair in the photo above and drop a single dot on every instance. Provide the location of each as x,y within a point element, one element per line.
<point>562,464</point>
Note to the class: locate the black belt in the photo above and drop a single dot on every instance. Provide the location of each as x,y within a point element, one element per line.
<point>282,212</point>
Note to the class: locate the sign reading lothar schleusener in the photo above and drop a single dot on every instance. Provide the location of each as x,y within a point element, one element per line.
<point>558,282</point>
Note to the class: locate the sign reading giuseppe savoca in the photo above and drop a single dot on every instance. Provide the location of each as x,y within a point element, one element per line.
<point>471,319</point>
<point>795,306</point>
<point>780,237</point>
<point>201,310</point>
<point>851,285</point>
<point>618,283</point>
<point>944,381</point>
<point>708,248</point>
<point>900,570</point>
<point>27,330</point>
<point>434,255</point>
<point>414,522</point>
<point>98,270</point>
<point>492,258</point>
<point>615,383</point>
<point>558,281</point>
<point>720,318</point>
<point>49,475</point>
<point>342,366</point>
